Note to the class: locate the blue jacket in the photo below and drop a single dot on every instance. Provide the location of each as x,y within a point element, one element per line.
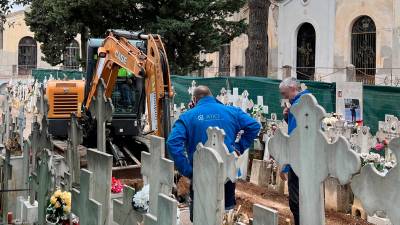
<point>291,121</point>
<point>191,129</point>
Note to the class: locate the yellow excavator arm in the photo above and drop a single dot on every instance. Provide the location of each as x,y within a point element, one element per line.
<point>116,53</point>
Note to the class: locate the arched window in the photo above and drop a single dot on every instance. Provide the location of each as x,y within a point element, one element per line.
<point>306,52</point>
<point>71,56</point>
<point>27,55</point>
<point>363,49</point>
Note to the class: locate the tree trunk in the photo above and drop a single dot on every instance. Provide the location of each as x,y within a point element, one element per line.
<point>84,40</point>
<point>257,52</point>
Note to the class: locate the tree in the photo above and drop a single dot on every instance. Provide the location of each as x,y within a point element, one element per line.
<point>187,26</point>
<point>257,52</point>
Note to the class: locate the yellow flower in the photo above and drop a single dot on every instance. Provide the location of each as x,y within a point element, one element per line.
<point>57,194</point>
<point>53,200</point>
<point>67,209</point>
<point>57,205</point>
<point>66,197</point>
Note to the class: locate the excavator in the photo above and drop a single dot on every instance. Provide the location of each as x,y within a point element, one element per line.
<point>135,71</point>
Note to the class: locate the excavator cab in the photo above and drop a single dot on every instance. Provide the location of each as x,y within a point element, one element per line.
<point>128,95</point>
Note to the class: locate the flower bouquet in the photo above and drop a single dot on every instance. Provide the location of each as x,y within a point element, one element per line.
<point>116,186</point>
<point>59,208</point>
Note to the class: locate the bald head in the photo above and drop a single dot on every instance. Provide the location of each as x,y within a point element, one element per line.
<point>201,92</point>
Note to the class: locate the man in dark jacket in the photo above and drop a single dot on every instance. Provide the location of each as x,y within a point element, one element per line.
<point>191,129</point>
<point>290,89</point>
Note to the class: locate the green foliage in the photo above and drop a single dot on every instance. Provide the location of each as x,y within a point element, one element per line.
<point>187,26</point>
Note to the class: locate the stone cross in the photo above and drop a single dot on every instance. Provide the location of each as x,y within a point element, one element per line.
<point>84,206</point>
<point>246,104</point>
<point>42,102</point>
<point>7,119</point>
<point>102,109</point>
<point>312,158</point>
<point>6,176</point>
<point>100,164</point>
<point>75,138</point>
<point>158,170</point>
<point>260,103</point>
<point>25,166</point>
<point>123,212</point>
<point>2,128</point>
<point>191,88</point>
<point>363,140</point>
<point>167,208</point>
<point>40,139</point>
<point>215,141</point>
<point>21,125</point>
<point>41,184</point>
<point>208,186</point>
<point>379,192</point>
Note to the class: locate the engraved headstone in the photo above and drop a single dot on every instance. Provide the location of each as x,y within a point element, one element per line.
<point>75,138</point>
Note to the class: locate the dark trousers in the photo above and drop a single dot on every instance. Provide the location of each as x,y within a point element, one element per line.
<point>230,200</point>
<point>294,203</point>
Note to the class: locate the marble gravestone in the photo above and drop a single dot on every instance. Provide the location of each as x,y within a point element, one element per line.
<point>312,158</point>
<point>84,206</point>
<point>208,186</point>
<point>264,215</point>
<point>166,213</point>
<point>379,192</point>
<point>102,109</point>
<point>158,171</point>
<point>123,212</point>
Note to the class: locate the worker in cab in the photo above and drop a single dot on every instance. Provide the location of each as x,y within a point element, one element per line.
<point>125,87</point>
<point>191,129</point>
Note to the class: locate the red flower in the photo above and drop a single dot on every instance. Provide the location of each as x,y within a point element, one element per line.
<point>116,185</point>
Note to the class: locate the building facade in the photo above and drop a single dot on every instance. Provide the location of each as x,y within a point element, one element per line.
<point>20,52</point>
<point>319,39</point>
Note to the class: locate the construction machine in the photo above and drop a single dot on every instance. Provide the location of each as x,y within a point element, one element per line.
<point>140,96</point>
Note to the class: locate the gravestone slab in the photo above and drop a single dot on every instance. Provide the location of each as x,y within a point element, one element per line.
<point>264,215</point>
<point>100,164</point>
<point>337,197</point>
<point>208,186</point>
<point>123,212</point>
<point>215,141</point>
<point>40,139</point>
<point>166,213</point>
<point>379,192</point>
<point>260,173</point>
<point>363,140</point>
<point>102,109</point>
<point>312,158</point>
<point>84,206</point>
<point>158,170</point>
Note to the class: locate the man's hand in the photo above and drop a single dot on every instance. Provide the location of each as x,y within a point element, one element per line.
<point>283,176</point>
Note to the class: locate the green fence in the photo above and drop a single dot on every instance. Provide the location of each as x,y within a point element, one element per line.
<point>378,100</point>
<point>41,74</point>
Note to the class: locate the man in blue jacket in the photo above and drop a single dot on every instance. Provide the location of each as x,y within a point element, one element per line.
<point>290,89</point>
<point>191,129</point>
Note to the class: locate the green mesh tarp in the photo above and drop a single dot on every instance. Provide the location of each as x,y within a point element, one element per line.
<point>378,100</point>
<point>41,74</point>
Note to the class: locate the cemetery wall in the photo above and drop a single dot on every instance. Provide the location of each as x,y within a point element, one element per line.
<point>378,100</point>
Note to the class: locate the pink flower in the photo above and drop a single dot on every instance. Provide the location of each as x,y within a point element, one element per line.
<point>379,146</point>
<point>116,185</point>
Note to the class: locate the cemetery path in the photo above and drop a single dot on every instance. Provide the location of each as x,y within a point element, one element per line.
<point>248,194</point>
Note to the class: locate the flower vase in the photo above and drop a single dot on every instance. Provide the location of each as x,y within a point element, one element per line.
<point>51,223</point>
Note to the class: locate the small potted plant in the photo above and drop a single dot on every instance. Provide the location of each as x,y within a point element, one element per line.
<point>59,208</point>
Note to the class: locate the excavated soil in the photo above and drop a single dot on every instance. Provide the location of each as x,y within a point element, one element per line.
<point>248,194</point>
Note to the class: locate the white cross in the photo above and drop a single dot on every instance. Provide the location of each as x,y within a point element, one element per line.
<point>167,208</point>
<point>312,158</point>
<point>378,192</point>
<point>123,212</point>
<point>158,170</point>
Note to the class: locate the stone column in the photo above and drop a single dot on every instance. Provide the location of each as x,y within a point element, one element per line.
<point>350,73</point>
<point>287,71</point>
